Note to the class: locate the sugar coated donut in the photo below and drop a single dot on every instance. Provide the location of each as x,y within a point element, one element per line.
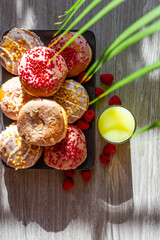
<point>14,45</point>
<point>42,122</point>
<point>15,152</point>
<point>39,76</point>
<point>77,55</point>
<point>73,97</point>
<point>13,97</point>
<point>69,153</point>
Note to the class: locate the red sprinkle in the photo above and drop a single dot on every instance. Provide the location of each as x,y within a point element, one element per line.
<point>69,54</point>
<point>38,72</point>
<point>86,175</point>
<point>89,115</point>
<point>81,76</point>
<point>98,91</point>
<point>82,124</point>
<point>105,159</point>
<point>115,100</point>
<point>69,173</point>
<point>68,183</point>
<point>107,78</point>
<point>70,151</point>
<point>109,149</point>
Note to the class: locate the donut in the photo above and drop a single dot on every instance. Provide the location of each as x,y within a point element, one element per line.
<point>69,153</point>
<point>15,152</point>
<point>73,97</point>
<point>77,55</point>
<point>14,45</point>
<point>39,76</point>
<point>42,122</point>
<point>13,97</point>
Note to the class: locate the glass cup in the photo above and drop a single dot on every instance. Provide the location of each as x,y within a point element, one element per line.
<point>116,124</point>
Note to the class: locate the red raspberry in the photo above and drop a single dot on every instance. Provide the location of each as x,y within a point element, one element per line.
<point>105,159</point>
<point>107,78</point>
<point>98,91</point>
<point>109,149</point>
<point>68,183</point>
<point>69,173</point>
<point>82,124</point>
<point>86,175</point>
<point>89,115</point>
<point>81,76</point>
<point>115,100</point>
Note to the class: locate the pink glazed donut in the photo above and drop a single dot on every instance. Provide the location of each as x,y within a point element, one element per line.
<point>77,55</point>
<point>69,153</point>
<point>39,76</point>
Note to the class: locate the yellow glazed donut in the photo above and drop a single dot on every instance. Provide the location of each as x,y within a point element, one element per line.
<point>13,97</point>
<point>15,152</point>
<point>14,45</point>
<point>73,97</point>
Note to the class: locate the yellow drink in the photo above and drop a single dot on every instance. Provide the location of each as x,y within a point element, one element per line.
<point>116,124</point>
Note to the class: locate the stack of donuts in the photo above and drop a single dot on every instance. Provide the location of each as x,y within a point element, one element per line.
<point>43,100</point>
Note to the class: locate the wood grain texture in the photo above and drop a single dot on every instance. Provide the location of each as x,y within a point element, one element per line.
<point>122,200</point>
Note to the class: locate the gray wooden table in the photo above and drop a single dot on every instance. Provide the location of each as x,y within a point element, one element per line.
<point>122,200</point>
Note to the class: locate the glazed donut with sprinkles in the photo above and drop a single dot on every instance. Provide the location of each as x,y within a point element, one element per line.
<point>15,152</point>
<point>43,99</point>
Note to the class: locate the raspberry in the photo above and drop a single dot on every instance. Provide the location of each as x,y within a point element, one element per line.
<point>69,173</point>
<point>82,124</point>
<point>68,183</point>
<point>109,149</point>
<point>86,175</point>
<point>107,78</point>
<point>115,100</point>
<point>89,115</point>
<point>105,159</point>
<point>98,91</point>
<point>81,76</point>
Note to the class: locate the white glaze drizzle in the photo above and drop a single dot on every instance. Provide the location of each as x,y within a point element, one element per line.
<point>66,101</point>
<point>5,50</point>
<point>9,38</point>
<point>26,154</point>
<point>12,153</point>
<point>12,132</point>
<point>5,142</point>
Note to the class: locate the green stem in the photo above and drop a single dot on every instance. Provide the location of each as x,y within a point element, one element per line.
<point>71,9</point>
<point>62,20</point>
<point>68,19</point>
<point>147,18</point>
<point>81,16</point>
<point>128,79</point>
<point>130,41</point>
<point>156,124</point>
<point>98,16</point>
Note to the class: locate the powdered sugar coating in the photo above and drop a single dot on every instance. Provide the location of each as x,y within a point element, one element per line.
<point>40,76</point>
<point>69,153</point>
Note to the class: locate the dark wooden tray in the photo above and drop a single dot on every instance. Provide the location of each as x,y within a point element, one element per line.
<point>46,36</point>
